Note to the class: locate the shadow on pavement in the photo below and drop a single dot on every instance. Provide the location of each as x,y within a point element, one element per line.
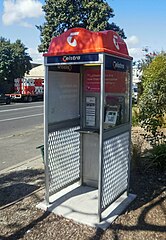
<point>14,192</point>
<point>18,184</point>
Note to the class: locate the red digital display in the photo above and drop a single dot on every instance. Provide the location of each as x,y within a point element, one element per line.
<point>115,81</point>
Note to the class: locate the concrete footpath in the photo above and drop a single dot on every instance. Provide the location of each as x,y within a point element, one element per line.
<point>32,163</point>
<point>20,181</point>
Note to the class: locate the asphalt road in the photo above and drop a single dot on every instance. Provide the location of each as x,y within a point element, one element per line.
<point>21,131</point>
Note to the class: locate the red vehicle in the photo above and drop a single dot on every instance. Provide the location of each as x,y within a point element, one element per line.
<point>28,89</point>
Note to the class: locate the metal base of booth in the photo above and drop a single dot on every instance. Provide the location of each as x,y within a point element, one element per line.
<point>80,203</point>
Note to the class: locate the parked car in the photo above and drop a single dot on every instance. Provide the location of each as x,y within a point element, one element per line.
<point>4,98</point>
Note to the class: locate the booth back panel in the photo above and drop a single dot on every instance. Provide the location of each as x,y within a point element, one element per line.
<point>115,168</point>
<point>63,99</point>
<point>63,158</point>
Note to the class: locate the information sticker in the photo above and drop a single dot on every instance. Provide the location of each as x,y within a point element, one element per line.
<point>90,119</point>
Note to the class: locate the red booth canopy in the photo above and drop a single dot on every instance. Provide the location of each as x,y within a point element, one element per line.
<point>83,41</point>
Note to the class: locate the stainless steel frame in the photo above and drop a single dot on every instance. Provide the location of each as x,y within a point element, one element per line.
<point>112,136</point>
<point>46,136</point>
<point>102,93</point>
<point>130,122</point>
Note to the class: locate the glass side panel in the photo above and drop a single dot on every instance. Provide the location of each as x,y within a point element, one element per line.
<point>117,91</point>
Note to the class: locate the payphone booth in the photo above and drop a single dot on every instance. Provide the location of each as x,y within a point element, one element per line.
<point>87,120</point>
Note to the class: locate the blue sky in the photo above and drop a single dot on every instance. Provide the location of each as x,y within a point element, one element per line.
<point>143,21</point>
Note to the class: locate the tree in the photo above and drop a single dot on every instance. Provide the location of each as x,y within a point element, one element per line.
<point>152,103</point>
<point>14,61</point>
<point>149,56</point>
<point>61,15</point>
<point>142,65</point>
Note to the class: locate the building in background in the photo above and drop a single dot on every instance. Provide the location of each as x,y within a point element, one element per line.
<point>137,76</point>
<point>37,71</point>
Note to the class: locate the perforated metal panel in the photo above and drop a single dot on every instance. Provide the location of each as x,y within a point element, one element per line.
<point>115,168</point>
<point>63,158</point>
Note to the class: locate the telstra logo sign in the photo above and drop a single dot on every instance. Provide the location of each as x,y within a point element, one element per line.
<point>71,58</point>
<point>118,65</point>
<point>71,39</point>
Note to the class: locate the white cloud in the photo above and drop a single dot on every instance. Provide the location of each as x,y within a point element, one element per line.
<point>25,24</point>
<point>134,48</point>
<point>15,11</point>
<point>136,53</point>
<point>35,55</point>
<point>132,41</point>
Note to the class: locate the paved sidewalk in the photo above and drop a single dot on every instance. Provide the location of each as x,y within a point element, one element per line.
<point>33,163</point>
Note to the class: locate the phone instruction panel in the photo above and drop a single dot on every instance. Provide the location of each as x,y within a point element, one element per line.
<point>90,111</point>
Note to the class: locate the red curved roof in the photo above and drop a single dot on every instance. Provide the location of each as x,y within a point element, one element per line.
<point>83,41</point>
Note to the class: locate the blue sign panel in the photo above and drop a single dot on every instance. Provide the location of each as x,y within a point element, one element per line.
<point>73,58</point>
<point>117,64</point>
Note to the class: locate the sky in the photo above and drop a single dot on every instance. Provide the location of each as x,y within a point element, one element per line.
<point>143,21</point>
